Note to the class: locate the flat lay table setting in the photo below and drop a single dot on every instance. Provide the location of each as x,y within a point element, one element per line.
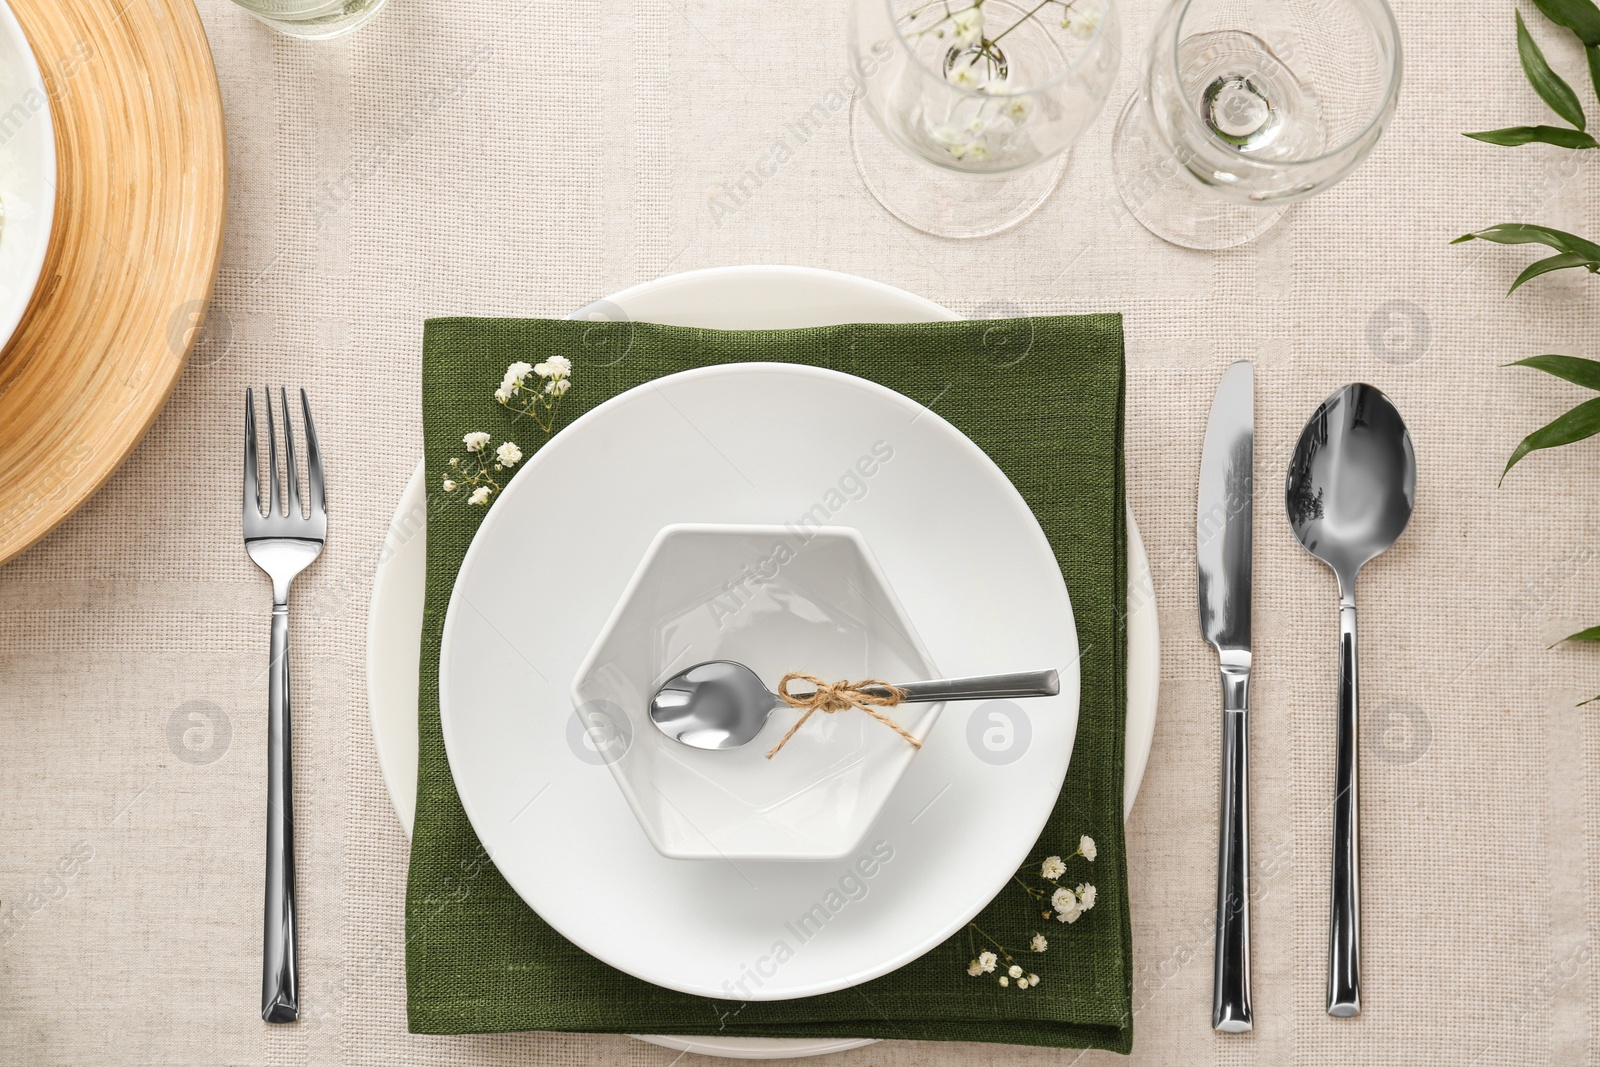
<point>871,532</point>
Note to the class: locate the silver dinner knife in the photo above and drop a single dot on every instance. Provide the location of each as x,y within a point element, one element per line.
<point>1222,556</point>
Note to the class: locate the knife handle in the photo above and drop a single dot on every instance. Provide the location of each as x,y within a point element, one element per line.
<point>1344,916</point>
<point>1230,1003</point>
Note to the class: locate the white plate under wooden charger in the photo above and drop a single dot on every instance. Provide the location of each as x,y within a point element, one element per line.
<point>27,172</point>
<point>752,297</point>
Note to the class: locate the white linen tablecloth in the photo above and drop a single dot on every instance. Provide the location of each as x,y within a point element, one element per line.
<point>504,157</point>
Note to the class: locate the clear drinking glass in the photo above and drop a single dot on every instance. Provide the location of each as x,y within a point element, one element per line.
<point>1248,105</point>
<point>313,20</point>
<point>973,103</point>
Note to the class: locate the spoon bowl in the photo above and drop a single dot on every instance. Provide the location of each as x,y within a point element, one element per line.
<point>1353,480</point>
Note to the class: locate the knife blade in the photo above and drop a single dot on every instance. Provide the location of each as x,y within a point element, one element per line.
<point>1225,512</point>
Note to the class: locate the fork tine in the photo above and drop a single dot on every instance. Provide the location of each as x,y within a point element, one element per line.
<point>319,500</point>
<point>274,493</point>
<point>252,467</point>
<point>291,473</point>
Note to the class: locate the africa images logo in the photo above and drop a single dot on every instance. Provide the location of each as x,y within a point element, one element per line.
<point>852,886</point>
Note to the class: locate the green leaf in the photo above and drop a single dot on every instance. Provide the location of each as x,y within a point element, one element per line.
<point>1593,54</point>
<point>1546,82</point>
<point>1581,422</point>
<point>1545,266</point>
<point>1575,369</point>
<point>1525,233</point>
<point>1592,634</point>
<point>1579,16</point>
<point>1559,136</point>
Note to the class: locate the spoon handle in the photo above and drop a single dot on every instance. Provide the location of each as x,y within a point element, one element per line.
<point>1344,922</point>
<point>983,687</point>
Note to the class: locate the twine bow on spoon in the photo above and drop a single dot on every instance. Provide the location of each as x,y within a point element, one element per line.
<point>839,696</point>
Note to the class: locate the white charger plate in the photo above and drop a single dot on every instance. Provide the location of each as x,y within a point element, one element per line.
<point>27,173</point>
<point>742,297</point>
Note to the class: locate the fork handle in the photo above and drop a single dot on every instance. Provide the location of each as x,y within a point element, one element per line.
<point>280,996</point>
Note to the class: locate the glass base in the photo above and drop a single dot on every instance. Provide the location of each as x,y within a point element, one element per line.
<point>946,203</point>
<point>355,15</point>
<point>1170,205</point>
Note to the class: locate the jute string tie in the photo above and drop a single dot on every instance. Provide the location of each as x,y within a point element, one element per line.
<point>839,696</point>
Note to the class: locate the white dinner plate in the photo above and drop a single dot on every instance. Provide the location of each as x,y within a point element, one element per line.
<point>772,297</point>
<point>27,172</point>
<point>754,443</point>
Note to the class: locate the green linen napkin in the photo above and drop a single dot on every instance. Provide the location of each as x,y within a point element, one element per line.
<point>1050,414</point>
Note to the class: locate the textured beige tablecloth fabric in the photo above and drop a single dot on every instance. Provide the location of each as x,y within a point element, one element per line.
<point>504,157</point>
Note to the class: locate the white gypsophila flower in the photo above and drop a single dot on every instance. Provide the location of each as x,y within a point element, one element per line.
<point>1038,944</point>
<point>1014,971</point>
<point>977,151</point>
<point>974,968</point>
<point>1083,19</point>
<point>1052,868</point>
<point>518,371</point>
<point>966,76</point>
<point>1086,847</point>
<point>476,442</point>
<point>501,394</point>
<point>1017,108</point>
<point>967,27</point>
<point>558,386</point>
<point>1085,897</point>
<point>1033,979</point>
<point>1004,980</point>
<point>1068,916</point>
<point>508,454</point>
<point>449,485</point>
<point>554,367</point>
<point>479,495</point>
<point>1064,899</point>
<point>986,961</point>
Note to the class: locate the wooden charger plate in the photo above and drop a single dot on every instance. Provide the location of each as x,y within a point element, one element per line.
<point>140,198</point>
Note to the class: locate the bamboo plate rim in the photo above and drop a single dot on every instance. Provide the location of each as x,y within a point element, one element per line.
<point>141,197</point>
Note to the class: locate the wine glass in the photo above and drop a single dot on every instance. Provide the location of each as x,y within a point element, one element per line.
<point>1248,105</point>
<point>973,103</point>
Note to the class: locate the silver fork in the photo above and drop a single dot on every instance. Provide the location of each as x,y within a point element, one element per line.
<point>283,542</point>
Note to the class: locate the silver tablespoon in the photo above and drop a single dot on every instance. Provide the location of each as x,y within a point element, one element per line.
<point>722,704</point>
<point>1352,485</point>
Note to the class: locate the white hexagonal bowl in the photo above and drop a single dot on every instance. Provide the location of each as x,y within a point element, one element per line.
<point>777,599</point>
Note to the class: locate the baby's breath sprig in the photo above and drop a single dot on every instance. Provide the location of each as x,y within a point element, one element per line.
<point>974,61</point>
<point>479,474</point>
<point>987,961</point>
<point>536,399</point>
<point>1067,906</point>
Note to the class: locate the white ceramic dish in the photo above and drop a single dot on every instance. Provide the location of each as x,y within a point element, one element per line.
<point>773,598</point>
<point>27,173</point>
<point>979,577</point>
<point>728,298</point>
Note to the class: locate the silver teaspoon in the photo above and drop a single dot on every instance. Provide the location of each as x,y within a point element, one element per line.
<point>1352,485</point>
<point>721,704</point>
